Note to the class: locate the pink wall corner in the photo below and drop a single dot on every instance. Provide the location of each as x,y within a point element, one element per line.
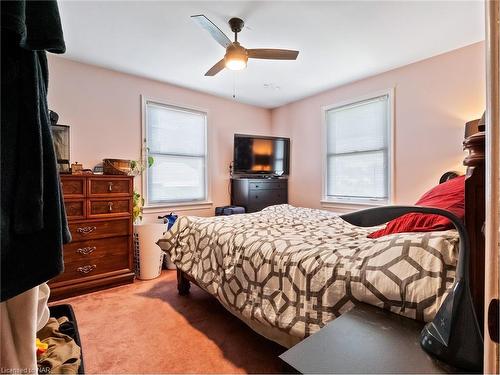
<point>103,108</point>
<point>433,100</point>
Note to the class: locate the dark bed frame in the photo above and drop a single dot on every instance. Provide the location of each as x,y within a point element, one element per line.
<point>474,222</point>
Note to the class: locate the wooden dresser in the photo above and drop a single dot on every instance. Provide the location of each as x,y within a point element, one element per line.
<point>257,193</point>
<point>99,211</point>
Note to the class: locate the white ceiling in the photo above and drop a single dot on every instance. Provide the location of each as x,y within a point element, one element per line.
<point>339,41</point>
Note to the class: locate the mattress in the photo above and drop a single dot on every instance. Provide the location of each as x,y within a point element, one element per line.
<point>287,271</point>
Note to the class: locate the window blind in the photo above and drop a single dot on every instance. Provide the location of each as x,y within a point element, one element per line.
<point>357,150</point>
<point>176,139</point>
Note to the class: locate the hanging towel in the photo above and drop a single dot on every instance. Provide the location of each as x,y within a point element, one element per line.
<point>20,318</point>
<point>33,220</point>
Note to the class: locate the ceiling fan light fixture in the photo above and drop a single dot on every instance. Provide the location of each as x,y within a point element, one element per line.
<point>236,63</point>
<point>236,57</point>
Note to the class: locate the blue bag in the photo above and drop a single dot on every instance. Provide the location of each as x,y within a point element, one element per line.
<point>169,219</point>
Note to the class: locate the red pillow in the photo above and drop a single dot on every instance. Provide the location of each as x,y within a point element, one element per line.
<point>449,195</point>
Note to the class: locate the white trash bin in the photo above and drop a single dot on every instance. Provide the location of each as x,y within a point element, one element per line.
<point>148,257</point>
<point>167,262</point>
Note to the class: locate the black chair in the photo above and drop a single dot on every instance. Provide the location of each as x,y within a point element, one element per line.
<point>454,336</point>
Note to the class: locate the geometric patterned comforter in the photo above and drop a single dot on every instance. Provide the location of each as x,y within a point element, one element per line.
<point>295,269</point>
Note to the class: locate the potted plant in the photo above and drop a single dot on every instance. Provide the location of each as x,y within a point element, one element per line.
<point>138,205</point>
<point>137,167</point>
<point>148,256</point>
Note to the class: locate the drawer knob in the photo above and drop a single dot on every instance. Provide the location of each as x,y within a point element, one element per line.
<point>85,230</point>
<point>110,187</point>
<point>110,206</point>
<point>87,268</point>
<point>86,250</point>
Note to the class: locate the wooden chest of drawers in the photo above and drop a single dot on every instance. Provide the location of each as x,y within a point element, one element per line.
<point>99,211</point>
<point>255,194</point>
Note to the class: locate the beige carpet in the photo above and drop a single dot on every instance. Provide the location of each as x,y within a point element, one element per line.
<point>146,327</point>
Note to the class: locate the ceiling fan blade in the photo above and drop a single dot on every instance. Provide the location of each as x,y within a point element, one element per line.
<point>272,54</point>
<point>216,33</point>
<point>216,68</point>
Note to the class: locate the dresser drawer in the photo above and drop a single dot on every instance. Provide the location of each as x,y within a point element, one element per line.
<point>99,229</point>
<point>266,185</point>
<point>109,207</point>
<point>108,255</point>
<point>75,209</point>
<point>95,249</point>
<point>103,187</point>
<point>73,187</point>
<point>267,197</point>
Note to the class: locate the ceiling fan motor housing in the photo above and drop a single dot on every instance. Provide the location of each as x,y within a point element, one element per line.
<point>236,24</point>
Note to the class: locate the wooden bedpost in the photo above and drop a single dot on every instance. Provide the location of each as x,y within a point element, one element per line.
<point>183,284</point>
<point>475,216</point>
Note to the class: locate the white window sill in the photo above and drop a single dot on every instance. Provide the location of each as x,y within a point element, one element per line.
<point>180,206</point>
<point>346,206</point>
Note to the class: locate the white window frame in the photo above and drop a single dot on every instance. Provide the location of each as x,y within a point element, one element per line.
<point>347,204</point>
<point>179,205</point>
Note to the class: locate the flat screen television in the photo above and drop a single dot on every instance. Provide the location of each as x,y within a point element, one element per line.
<point>259,155</point>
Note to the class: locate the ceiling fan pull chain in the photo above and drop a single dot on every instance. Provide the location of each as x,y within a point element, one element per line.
<point>234,85</point>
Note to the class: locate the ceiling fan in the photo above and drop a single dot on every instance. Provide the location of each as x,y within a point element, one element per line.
<point>236,56</point>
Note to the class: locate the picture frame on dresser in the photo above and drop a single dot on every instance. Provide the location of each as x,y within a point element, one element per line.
<point>99,212</point>
<point>61,138</point>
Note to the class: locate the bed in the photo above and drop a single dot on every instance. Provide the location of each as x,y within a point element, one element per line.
<point>287,271</point>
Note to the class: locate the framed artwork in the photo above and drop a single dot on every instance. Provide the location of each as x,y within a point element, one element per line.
<point>63,166</point>
<point>60,137</point>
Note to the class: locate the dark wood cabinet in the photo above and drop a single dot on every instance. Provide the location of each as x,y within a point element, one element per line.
<point>99,211</point>
<point>257,193</point>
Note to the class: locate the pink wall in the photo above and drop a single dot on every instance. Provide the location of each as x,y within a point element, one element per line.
<point>433,100</point>
<point>103,108</point>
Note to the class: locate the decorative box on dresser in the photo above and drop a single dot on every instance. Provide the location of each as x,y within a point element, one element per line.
<point>99,211</point>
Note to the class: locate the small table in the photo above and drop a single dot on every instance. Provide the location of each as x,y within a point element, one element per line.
<point>364,340</point>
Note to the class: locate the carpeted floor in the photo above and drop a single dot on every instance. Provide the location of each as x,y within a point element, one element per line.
<point>146,327</point>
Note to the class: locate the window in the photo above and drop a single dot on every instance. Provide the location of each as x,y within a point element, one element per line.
<point>358,152</point>
<point>177,140</point>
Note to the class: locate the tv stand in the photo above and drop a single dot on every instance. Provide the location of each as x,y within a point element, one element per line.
<point>258,192</point>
